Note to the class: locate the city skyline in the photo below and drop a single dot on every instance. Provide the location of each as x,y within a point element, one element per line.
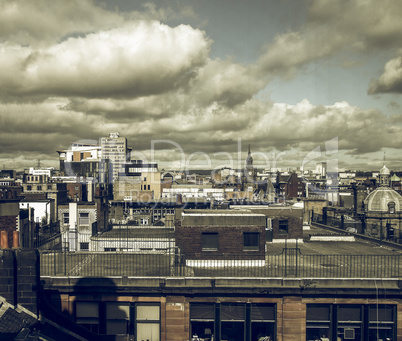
<point>283,76</point>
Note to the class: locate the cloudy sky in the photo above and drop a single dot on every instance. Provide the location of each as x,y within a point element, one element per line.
<point>301,81</point>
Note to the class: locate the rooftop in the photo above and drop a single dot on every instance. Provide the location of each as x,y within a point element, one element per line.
<point>311,259</point>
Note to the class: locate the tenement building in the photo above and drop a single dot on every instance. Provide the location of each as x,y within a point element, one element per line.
<point>316,290</point>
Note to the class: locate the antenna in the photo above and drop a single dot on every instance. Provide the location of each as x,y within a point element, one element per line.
<point>384,158</point>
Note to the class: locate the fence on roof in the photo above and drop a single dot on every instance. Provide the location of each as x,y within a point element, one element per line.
<point>291,262</point>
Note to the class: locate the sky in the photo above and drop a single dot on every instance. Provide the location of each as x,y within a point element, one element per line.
<point>195,82</point>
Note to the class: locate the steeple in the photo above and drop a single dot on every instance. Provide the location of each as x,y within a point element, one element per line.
<point>249,160</point>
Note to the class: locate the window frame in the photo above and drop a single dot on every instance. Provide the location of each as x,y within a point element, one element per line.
<point>84,244</point>
<point>145,322</point>
<point>281,224</point>
<point>83,220</point>
<point>206,238</point>
<point>66,218</point>
<point>246,239</point>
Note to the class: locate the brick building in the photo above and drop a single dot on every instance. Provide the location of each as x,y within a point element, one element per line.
<point>220,234</point>
<point>326,294</point>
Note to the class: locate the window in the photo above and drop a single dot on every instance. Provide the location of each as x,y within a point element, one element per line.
<point>39,187</point>
<point>233,318</point>
<point>233,321</point>
<point>110,249</point>
<point>66,218</point>
<point>209,241</point>
<point>202,320</point>
<point>84,246</point>
<point>84,219</point>
<point>262,318</point>
<point>49,187</point>
<point>117,318</point>
<point>87,315</point>
<point>251,241</point>
<point>29,188</point>
<point>147,322</point>
<point>318,319</point>
<point>283,226</point>
<point>349,322</point>
<point>381,322</point>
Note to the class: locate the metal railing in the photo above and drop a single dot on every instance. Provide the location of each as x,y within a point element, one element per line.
<point>289,263</point>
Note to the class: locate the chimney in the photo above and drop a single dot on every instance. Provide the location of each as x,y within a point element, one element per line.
<point>4,240</point>
<point>16,239</point>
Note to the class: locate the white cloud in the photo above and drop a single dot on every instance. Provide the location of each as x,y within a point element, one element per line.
<point>390,80</point>
<point>137,59</point>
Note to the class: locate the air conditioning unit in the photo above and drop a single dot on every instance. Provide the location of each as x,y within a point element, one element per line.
<point>349,334</point>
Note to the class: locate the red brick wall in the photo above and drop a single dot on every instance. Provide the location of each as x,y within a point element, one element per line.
<point>189,240</point>
<point>295,228</point>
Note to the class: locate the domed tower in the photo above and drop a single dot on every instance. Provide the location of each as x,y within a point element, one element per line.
<point>382,208</point>
<point>384,176</point>
<point>379,199</point>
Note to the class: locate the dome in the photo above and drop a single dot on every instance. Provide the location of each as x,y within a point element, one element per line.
<point>385,171</point>
<point>377,200</point>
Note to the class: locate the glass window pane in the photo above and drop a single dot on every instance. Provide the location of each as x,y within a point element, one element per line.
<point>381,313</point>
<point>148,331</point>
<point>87,309</point>
<point>148,312</point>
<point>346,314</point>
<point>210,241</point>
<point>114,327</point>
<point>235,312</point>
<point>318,313</point>
<point>261,312</point>
<point>202,311</point>
<point>251,240</point>
<point>317,333</point>
<point>204,330</point>
<point>233,331</point>
<point>117,310</point>
<point>262,331</point>
<point>381,333</point>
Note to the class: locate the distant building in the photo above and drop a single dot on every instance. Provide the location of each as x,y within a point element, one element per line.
<point>76,221</point>
<point>383,208</point>
<point>36,187</point>
<point>114,148</point>
<point>84,159</point>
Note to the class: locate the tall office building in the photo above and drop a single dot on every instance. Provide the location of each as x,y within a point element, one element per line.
<point>115,149</point>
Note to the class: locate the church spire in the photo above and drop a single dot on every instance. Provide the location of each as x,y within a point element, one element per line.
<point>249,160</point>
